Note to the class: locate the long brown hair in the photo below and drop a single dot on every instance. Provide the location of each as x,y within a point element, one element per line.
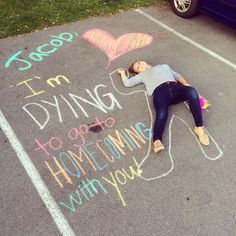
<point>131,68</point>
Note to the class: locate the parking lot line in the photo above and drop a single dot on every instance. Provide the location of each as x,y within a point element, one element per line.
<point>183,37</point>
<point>59,219</point>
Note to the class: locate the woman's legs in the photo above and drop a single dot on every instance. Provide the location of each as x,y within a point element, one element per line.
<point>161,101</point>
<point>187,93</point>
<point>183,93</point>
<point>172,94</point>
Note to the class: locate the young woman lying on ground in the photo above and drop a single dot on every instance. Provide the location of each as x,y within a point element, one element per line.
<point>167,88</point>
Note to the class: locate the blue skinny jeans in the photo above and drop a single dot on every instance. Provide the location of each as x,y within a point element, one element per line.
<point>171,93</point>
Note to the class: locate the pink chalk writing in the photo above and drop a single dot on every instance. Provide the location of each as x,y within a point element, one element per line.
<point>57,145</point>
<point>78,134</point>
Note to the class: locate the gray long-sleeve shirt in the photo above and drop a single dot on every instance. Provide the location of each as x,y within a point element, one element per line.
<point>153,77</point>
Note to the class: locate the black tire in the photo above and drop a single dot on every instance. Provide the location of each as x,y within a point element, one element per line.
<point>191,7</point>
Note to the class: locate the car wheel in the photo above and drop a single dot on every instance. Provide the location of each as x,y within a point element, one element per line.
<point>185,8</point>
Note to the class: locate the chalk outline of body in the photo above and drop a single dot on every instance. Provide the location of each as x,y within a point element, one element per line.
<point>169,132</point>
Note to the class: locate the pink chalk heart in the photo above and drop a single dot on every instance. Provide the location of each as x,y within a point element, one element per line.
<point>113,47</point>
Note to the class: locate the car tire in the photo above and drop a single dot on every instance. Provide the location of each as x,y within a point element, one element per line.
<point>185,8</point>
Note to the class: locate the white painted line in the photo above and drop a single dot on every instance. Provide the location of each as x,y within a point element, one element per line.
<point>197,45</point>
<point>59,219</point>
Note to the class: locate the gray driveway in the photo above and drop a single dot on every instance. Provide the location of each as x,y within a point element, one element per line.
<point>76,155</point>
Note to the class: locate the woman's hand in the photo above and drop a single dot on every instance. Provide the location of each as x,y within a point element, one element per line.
<point>122,74</point>
<point>121,71</point>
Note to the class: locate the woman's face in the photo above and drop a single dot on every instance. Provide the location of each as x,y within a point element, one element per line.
<point>140,66</point>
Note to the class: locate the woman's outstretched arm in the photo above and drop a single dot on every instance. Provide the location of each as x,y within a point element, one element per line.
<point>129,82</point>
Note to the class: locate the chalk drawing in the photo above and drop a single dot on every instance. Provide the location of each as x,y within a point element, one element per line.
<point>56,105</point>
<point>91,156</point>
<point>86,191</point>
<point>121,177</point>
<point>45,121</point>
<point>58,171</point>
<point>220,152</point>
<point>98,126</point>
<point>42,51</point>
<point>33,92</point>
<point>113,47</point>
<point>52,82</point>
<point>79,133</point>
<point>70,165</point>
<point>52,145</point>
<point>57,80</point>
<point>55,143</point>
<point>95,100</point>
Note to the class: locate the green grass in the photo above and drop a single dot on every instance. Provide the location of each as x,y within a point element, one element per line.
<point>23,16</point>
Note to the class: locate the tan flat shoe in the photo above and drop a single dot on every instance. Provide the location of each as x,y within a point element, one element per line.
<point>158,146</point>
<point>202,136</point>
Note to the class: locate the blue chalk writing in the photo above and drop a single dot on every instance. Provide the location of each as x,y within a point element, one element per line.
<point>112,148</point>
<point>62,157</point>
<point>128,138</point>
<point>139,126</point>
<point>92,155</point>
<point>42,51</point>
<point>87,191</point>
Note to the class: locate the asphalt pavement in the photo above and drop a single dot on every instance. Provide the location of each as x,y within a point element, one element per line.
<point>76,156</point>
